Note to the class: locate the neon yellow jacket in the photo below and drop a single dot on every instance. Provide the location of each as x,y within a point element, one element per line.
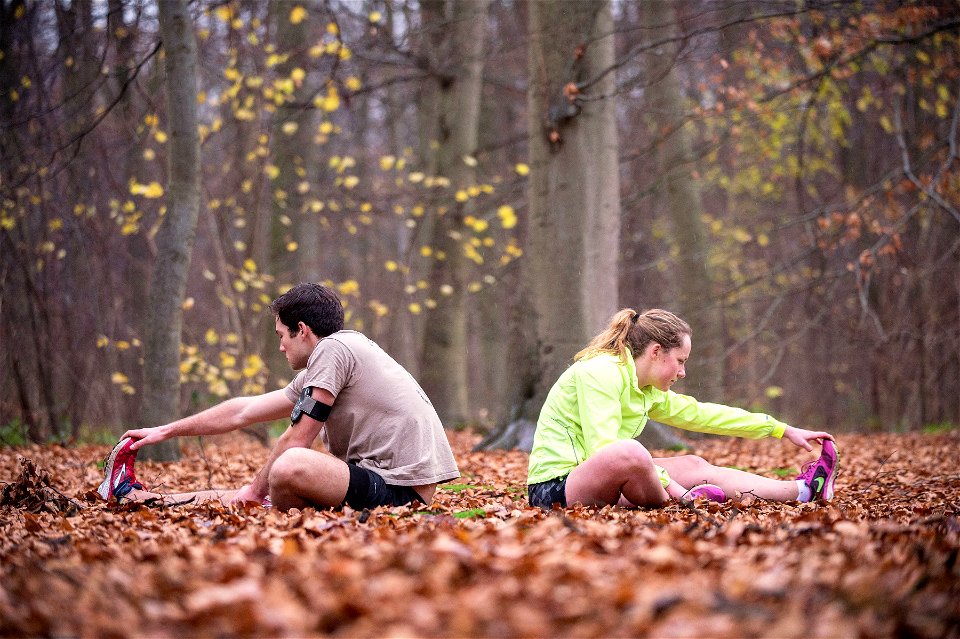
<point>596,402</point>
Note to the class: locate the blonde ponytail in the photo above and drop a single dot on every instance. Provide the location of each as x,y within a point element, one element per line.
<point>613,340</point>
<point>635,331</point>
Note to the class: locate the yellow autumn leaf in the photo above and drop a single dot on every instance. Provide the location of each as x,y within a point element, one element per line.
<point>349,287</point>
<point>153,190</point>
<point>331,102</point>
<point>160,137</point>
<point>353,83</point>
<point>272,171</point>
<point>414,308</point>
<point>522,169</point>
<point>375,17</point>
<point>390,265</point>
<point>252,365</point>
<point>292,246</point>
<point>289,128</point>
<point>508,218</point>
<point>119,378</point>
<point>297,15</point>
<point>102,341</point>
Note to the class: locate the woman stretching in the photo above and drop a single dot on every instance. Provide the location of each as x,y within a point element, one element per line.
<point>584,451</point>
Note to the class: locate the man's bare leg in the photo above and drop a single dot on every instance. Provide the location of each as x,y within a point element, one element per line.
<point>177,499</point>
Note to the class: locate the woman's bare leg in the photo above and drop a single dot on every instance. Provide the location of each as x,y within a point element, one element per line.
<point>622,470</point>
<point>690,471</point>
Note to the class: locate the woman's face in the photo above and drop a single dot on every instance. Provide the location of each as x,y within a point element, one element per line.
<point>661,367</point>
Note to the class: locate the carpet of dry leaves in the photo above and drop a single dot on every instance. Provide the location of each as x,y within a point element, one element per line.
<point>880,560</point>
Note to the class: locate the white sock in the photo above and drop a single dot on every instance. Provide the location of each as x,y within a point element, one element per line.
<point>803,491</point>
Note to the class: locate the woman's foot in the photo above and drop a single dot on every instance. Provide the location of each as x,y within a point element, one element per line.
<point>709,492</point>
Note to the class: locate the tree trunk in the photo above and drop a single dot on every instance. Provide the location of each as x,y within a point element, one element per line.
<point>574,223</point>
<point>443,359</point>
<point>178,230</point>
<point>695,301</point>
<point>574,185</point>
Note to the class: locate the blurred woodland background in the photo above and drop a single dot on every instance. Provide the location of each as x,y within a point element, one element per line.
<point>484,182</point>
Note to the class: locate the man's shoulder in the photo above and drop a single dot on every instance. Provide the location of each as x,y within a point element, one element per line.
<point>346,336</point>
<point>354,343</point>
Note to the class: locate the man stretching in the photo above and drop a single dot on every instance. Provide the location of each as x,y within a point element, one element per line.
<point>386,444</point>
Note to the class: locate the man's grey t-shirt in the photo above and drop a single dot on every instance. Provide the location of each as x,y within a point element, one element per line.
<point>381,419</point>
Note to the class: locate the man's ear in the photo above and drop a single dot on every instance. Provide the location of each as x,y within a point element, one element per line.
<point>303,329</point>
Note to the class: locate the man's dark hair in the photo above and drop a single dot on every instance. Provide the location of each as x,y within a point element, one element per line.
<point>313,304</point>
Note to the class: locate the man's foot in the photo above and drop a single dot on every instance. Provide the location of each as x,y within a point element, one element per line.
<point>819,475</point>
<point>118,476</point>
<point>706,491</point>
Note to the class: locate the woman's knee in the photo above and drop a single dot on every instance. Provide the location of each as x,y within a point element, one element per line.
<point>692,463</point>
<point>629,456</point>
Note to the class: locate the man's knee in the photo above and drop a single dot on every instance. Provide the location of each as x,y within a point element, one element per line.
<point>288,467</point>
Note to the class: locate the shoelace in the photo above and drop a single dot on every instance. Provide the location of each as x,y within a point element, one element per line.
<point>806,471</point>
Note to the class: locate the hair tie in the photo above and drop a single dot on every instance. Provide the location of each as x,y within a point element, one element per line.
<point>636,316</point>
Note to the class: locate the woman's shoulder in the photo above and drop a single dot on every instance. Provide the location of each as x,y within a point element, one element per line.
<point>602,364</point>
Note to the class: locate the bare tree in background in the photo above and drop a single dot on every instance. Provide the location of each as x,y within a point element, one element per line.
<point>177,232</point>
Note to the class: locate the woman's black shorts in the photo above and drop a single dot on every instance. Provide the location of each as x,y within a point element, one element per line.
<point>547,493</point>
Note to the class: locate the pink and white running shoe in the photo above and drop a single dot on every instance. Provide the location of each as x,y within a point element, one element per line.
<point>118,476</point>
<point>820,474</point>
<point>711,492</point>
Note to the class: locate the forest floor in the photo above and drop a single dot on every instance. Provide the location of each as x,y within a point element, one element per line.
<point>880,560</point>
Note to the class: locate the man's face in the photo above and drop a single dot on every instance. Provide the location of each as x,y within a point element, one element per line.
<point>296,348</point>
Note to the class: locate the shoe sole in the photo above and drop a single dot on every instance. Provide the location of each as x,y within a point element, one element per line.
<point>104,489</point>
<point>828,488</point>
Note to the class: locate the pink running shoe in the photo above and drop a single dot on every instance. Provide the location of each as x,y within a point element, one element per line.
<point>119,479</point>
<point>706,491</point>
<point>820,474</point>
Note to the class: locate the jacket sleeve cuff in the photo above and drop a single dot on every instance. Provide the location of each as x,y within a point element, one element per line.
<point>662,474</point>
<point>778,429</point>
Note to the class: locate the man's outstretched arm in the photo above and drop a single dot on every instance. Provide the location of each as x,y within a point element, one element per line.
<point>232,414</point>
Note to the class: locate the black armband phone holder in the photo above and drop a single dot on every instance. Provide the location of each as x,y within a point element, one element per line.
<point>307,405</point>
